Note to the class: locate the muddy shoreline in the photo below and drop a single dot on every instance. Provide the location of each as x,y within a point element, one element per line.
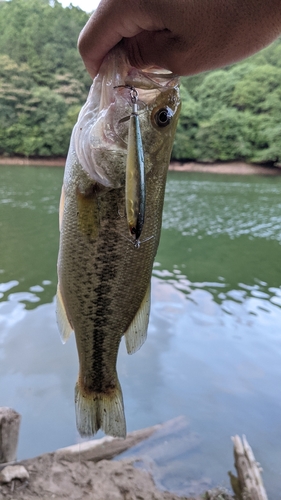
<point>40,162</point>
<point>234,167</point>
<point>86,471</point>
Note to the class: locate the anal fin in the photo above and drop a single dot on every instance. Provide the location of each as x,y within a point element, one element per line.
<point>136,334</point>
<point>65,328</point>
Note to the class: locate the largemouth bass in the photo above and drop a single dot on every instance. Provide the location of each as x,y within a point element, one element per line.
<point>103,271</point>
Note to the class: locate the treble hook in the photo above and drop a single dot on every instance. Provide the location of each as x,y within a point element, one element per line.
<point>134,93</point>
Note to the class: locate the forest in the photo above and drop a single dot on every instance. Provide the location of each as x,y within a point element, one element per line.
<point>227,114</point>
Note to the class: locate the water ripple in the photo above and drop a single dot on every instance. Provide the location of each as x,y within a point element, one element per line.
<point>226,298</point>
<point>215,208</point>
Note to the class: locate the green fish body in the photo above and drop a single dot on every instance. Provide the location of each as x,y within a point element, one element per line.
<point>103,279</point>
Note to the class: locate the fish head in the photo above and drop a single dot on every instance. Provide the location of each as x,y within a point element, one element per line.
<point>101,133</point>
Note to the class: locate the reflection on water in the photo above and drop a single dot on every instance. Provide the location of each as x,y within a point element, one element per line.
<point>214,344</point>
<point>29,232</point>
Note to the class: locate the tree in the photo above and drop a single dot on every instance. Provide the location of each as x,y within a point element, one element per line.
<point>228,114</point>
<point>233,113</point>
<point>43,83</point>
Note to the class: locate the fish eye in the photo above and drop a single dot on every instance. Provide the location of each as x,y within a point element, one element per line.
<point>163,117</point>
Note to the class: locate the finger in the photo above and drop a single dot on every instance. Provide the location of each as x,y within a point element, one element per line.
<point>99,35</point>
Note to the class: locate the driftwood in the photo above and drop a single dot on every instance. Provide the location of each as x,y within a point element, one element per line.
<point>105,448</point>
<point>248,485</point>
<point>108,447</point>
<point>9,434</point>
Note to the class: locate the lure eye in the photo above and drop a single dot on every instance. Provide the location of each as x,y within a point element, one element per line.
<point>163,117</point>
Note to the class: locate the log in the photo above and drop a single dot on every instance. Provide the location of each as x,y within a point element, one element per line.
<point>105,448</point>
<point>249,485</point>
<point>9,434</point>
<point>109,447</point>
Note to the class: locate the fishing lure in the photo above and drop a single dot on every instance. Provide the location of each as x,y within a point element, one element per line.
<point>135,173</point>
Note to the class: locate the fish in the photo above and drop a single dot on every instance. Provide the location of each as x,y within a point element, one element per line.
<point>104,269</point>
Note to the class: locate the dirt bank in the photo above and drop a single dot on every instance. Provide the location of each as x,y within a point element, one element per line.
<point>84,480</point>
<point>86,471</point>
<point>238,168</point>
<point>54,478</point>
<point>42,162</point>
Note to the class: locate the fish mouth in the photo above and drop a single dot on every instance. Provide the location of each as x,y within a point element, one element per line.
<point>110,131</point>
<point>115,106</point>
<point>101,132</point>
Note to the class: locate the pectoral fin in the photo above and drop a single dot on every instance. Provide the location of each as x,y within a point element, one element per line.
<point>136,334</point>
<point>65,328</point>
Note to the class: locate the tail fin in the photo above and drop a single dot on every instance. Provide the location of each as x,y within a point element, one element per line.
<point>100,411</point>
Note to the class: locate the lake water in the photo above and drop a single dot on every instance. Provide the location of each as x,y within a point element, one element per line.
<point>213,353</point>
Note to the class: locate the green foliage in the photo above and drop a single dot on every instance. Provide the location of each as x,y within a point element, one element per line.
<point>43,83</point>
<point>233,113</point>
<point>185,144</point>
<point>256,87</point>
<point>226,135</point>
<point>43,36</point>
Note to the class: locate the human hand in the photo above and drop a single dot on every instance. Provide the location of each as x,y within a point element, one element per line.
<point>183,36</point>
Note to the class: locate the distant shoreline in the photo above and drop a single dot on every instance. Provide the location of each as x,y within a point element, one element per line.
<point>44,162</point>
<point>235,167</point>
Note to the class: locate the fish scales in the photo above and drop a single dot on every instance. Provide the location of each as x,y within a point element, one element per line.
<point>104,281</point>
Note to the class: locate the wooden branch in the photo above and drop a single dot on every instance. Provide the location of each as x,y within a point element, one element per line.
<point>9,434</point>
<point>105,448</point>
<point>108,447</point>
<point>249,472</point>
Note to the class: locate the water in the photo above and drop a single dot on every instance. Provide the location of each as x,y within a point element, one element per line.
<point>214,342</point>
